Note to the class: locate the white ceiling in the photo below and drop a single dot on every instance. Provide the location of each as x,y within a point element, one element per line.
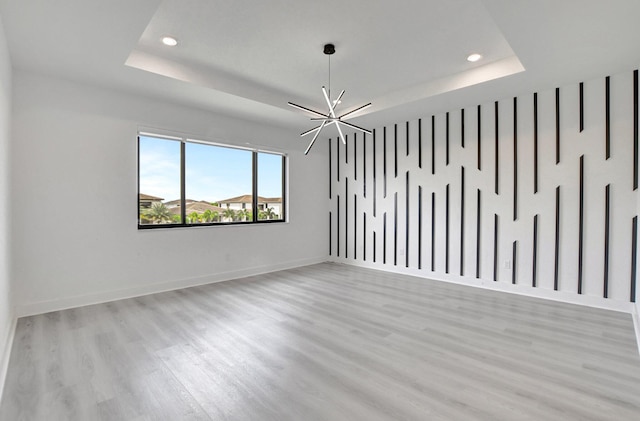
<point>248,59</point>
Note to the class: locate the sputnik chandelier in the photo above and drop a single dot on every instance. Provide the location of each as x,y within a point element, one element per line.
<point>330,117</point>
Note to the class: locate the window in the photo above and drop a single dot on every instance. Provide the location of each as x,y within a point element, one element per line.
<point>183,182</point>
<point>270,168</point>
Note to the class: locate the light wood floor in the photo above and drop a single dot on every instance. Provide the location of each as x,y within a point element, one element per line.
<point>325,342</point>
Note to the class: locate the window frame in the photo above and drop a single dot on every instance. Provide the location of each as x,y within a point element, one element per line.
<point>254,184</point>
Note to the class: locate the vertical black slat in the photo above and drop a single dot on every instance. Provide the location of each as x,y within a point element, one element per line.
<point>447,140</point>
<point>581,106</point>
<point>364,237</point>
<point>433,144</point>
<point>355,226</point>
<point>183,182</point>
<point>330,228</point>
<point>374,164</point>
<point>608,117</point>
<point>395,228</point>
<point>557,126</point>
<point>364,165</point>
<point>419,227</point>
<point>374,247</point>
<point>514,262</point>
<point>419,143</point>
<point>635,129</point>
<point>479,138</point>
<point>446,231</point>
<point>406,223</point>
<point>495,247</point>
<point>462,221</point>
<point>557,241</point>
<point>581,225</point>
<point>384,162</point>
<point>535,143</point>
<point>478,220</point>
<point>515,158</point>
<point>407,135</point>
<point>338,226</point>
<point>534,259</point>
<point>462,127</point>
<point>607,215</point>
<point>395,150</point>
<point>634,257</point>
<point>433,231</point>
<point>355,157</point>
<point>346,151</point>
<point>346,217</point>
<point>330,167</point>
<point>384,238</point>
<point>497,150</point>
<point>337,160</point>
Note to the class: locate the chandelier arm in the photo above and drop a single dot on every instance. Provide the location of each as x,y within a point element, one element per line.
<point>326,97</point>
<point>315,137</point>
<point>355,110</point>
<point>300,107</point>
<point>310,131</point>
<point>353,126</point>
<point>335,104</point>
<point>344,142</point>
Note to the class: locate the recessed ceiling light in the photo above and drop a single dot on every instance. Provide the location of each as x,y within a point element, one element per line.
<point>169,41</point>
<point>474,57</point>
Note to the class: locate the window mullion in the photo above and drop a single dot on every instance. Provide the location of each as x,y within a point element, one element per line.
<point>183,208</point>
<point>254,183</point>
<point>138,196</point>
<point>283,205</point>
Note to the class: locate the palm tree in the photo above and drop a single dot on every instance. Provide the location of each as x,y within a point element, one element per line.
<point>244,215</point>
<point>215,216</point>
<point>207,216</point>
<point>270,213</point>
<point>262,215</point>
<point>159,213</point>
<point>193,217</point>
<point>229,214</point>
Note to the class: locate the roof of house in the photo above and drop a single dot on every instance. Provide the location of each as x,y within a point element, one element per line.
<point>143,196</point>
<point>247,198</point>
<point>173,203</point>
<point>198,207</point>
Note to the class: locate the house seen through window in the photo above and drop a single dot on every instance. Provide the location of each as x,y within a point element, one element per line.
<point>184,183</point>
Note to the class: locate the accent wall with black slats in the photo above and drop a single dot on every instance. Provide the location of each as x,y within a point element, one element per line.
<point>538,191</point>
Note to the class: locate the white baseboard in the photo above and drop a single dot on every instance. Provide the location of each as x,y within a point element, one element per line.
<point>30,309</point>
<point>5,354</point>
<point>519,289</point>
<point>565,297</point>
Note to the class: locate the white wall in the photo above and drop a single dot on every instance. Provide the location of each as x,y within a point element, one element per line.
<point>74,200</point>
<point>6,302</point>
<point>598,172</point>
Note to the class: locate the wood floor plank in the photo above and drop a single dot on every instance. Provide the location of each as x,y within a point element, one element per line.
<point>325,342</point>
